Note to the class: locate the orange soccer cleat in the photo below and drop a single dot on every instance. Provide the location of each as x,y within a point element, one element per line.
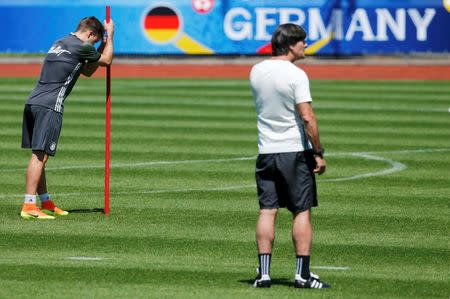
<point>49,208</point>
<point>31,211</point>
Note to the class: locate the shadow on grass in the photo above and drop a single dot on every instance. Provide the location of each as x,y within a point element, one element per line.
<point>94,210</point>
<point>277,281</point>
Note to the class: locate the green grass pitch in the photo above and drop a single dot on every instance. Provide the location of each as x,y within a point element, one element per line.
<point>183,198</point>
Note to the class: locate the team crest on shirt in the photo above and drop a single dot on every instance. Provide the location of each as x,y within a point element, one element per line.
<point>58,50</point>
<point>53,146</point>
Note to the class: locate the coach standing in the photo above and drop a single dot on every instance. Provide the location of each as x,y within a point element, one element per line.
<point>289,152</point>
<point>43,113</point>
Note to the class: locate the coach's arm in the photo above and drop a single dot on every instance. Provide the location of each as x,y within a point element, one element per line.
<point>312,130</point>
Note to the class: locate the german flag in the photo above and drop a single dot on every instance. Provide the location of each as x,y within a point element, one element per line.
<point>161,24</point>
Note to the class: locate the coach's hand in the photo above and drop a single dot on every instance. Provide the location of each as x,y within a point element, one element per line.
<point>320,165</point>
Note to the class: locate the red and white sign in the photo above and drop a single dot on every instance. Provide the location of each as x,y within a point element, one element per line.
<point>202,6</point>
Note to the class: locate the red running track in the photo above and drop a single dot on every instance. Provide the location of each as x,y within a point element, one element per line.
<point>322,71</point>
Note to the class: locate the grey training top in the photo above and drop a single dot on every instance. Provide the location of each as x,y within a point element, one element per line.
<point>60,71</point>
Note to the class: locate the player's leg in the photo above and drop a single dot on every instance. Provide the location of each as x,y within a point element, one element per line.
<point>33,176</point>
<point>42,185</point>
<point>35,170</point>
<point>40,132</point>
<point>47,204</point>
<point>51,125</point>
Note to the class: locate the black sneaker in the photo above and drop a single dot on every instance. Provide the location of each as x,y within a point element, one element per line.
<point>313,282</point>
<point>262,282</point>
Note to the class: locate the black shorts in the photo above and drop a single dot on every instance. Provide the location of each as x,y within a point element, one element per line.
<point>40,128</point>
<point>286,180</point>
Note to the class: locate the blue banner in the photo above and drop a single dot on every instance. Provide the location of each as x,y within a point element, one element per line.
<point>339,27</point>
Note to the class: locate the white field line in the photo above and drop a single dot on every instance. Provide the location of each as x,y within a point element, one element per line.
<point>88,258</point>
<point>84,258</point>
<point>395,166</point>
<point>136,165</point>
<point>337,268</point>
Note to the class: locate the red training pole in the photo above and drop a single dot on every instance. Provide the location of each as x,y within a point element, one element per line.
<point>108,125</point>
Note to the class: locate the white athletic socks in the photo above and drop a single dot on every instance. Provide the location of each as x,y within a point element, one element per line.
<point>30,199</point>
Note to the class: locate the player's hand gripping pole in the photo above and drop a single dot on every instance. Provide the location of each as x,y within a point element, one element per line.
<point>108,125</point>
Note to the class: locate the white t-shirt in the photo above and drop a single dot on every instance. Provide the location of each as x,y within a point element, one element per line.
<point>278,86</point>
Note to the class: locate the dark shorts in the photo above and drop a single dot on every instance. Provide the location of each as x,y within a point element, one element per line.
<point>286,180</point>
<point>40,128</point>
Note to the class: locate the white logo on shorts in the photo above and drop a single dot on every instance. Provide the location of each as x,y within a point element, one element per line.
<point>53,146</point>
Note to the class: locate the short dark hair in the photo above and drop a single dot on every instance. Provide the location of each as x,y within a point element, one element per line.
<point>286,35</point>
<point>91,23</point>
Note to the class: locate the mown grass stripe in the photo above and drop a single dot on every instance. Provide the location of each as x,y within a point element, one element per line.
<point>194,222</point>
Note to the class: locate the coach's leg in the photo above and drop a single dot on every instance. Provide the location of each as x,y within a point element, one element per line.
<point>302,233</point>
<point>265,235</point>
<point>265,230</point>
<point>302,238</point>
<point>35,171</point>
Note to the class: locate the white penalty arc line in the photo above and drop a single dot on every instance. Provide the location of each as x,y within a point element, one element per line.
<point>156,163</point>
<point>395,166</point>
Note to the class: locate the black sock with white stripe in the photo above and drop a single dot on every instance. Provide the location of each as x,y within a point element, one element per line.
<point>264,264</point>
<point>303,267</point>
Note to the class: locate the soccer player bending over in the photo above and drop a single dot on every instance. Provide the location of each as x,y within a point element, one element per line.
<point>43,112</point>
<point>290,153</point>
